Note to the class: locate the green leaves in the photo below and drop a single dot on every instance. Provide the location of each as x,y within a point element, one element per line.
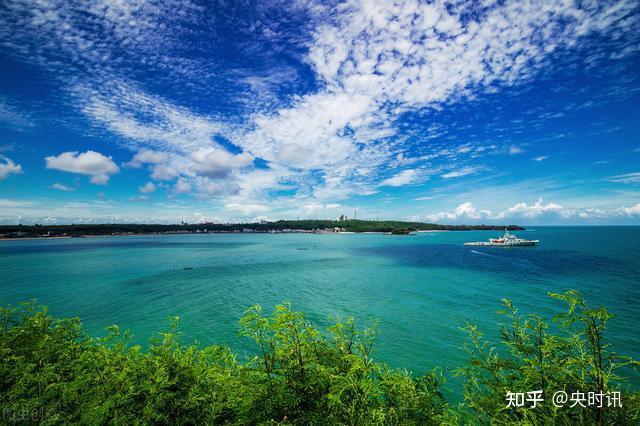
<point>571,354</point>
<point>300,374</point>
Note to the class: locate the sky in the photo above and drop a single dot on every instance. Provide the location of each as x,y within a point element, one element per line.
<point>521,112</point>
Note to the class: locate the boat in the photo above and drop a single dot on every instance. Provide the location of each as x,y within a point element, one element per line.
<point>507,240</point>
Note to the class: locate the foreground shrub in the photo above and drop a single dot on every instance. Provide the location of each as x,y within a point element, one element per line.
<point>574,359</point>
<point>51,372</point>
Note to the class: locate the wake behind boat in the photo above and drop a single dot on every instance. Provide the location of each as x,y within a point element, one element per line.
<point>507,240</point>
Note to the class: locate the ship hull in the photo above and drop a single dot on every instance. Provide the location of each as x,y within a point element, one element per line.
<point>490,244</point>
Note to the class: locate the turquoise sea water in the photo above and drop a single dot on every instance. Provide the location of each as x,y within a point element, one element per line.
<point>421,288</point>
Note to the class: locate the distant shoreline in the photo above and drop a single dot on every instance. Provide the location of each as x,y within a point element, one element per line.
<point>80,237</point>
<point>23,232</point>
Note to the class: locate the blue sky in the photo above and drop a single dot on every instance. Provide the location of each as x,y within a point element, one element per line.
<point>456,112</point>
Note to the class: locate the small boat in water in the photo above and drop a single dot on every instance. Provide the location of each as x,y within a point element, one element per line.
<point>507,240</point>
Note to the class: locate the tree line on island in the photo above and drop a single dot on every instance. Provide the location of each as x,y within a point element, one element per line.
<point>21,231</point>
<point>51,372</point>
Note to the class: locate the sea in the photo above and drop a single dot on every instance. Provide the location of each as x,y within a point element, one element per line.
<point>420,289</point>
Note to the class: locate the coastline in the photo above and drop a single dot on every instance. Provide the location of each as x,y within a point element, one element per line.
<point>193,233</point>
<point>310,226</point>
<point>35,238</point>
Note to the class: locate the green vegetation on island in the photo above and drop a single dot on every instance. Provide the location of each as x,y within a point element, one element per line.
<point>51,372</point>
<point>402,231</point>
<point>75,230</point>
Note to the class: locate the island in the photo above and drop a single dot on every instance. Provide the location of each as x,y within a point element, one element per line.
<point>280,226</point>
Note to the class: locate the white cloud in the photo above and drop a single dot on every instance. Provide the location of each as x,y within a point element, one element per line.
<point>463,211</point>
<point>57,211</point>
<point>410,55</point>
<point>12,117</point>
<point>469,170</point>
<point>172,141</point>
<point>91,163</point>
<point>540,158</point>
<point>589,213</point>
<point>217,163</point>
<point>514,150</point>
<point>626,178</point>
<point>520,211</point>
<point>212,188</point>
<point>182,186</point>
<point>148,188</point>
<point>420,53</point>
<point>99,179</point>
<point>404,177</point>
<point>6,203</point>
<point>139,198</point>
<point>532,210</point>
<point>8,166</point>
<point>630,211</point>
<point>88,36</point>
<point>247,209</point>
<point>61,187</point>
<point>314,209</point>
<point>148,123</point>
<point>307,135</point>
<point>146,156</point>
<point>164,172</point>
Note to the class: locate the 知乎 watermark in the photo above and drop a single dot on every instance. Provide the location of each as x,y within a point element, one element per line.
<point>23,414</point>
<point>561,399</point>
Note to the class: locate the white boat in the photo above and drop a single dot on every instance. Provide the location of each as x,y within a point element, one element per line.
<point>507,240</point>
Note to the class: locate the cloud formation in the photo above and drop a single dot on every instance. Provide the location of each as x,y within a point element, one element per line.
<point>524,212</point>
<point>61,187</point>
<point>332,128</point>
<point>147,188</point>
<point>629,211</point>
<point>146,156</point>
<point>90,163</point>
<point>404,177</point>
<point>540,158</point>
<point>375,62</point>
<point>8,166</point>
<point>463,211</point>
<point>531,210</point>
<point>626,178</point>
<point>217,163</point>
<point>464,171</point>
<point>13,117</point>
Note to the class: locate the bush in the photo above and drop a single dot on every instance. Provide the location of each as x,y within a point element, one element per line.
<point>575,358</point>
<point>51,372</point>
